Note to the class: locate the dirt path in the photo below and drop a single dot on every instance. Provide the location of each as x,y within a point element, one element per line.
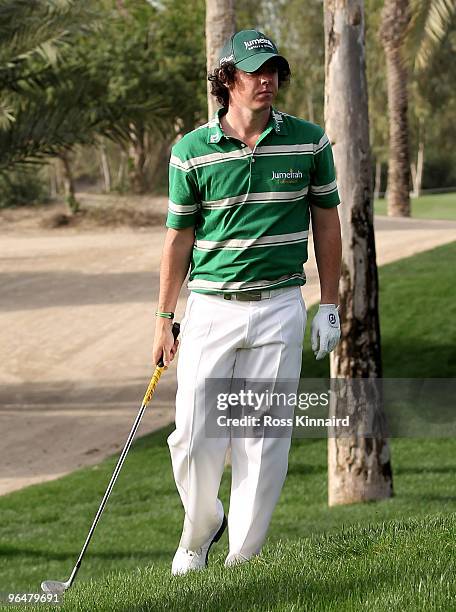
<point>76,331</point>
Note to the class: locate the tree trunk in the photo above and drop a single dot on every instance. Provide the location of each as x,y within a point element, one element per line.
<point>105,169</point>
<point>220,25</point>
<point>419,168</point>
<point>159,163</point>
<point>57,164</point>
<point>417,171</point>
<point>137,160</point>
<point>378,179</point>
<point>68,183</point>
<point>121,171</point>
<point>310,108</point>
<point>358,465</point>
<point>52,181</point>
<point>395,22</point>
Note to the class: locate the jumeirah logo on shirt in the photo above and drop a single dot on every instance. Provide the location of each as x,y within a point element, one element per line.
<point>291,176</point>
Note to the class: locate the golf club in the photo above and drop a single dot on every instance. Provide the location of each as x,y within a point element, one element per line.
<point>57,587</point>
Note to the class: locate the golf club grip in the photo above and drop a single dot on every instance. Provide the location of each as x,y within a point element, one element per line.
<point>175,331</point>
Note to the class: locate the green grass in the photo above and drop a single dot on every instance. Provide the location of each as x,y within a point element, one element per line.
<point>43,528</point>
<point>432,206</point>
<point>417,314</point>
<point>403,565</point>
<point>394,554</point>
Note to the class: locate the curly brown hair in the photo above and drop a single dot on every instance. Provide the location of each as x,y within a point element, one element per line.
<point>223,76</point>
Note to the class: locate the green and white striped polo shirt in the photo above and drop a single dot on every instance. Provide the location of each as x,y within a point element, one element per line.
<point>250,208</point>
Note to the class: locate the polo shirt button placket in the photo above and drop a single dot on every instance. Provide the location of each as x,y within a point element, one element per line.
<point>251,162</point>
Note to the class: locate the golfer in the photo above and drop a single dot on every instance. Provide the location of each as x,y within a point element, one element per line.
<point>243,189</point>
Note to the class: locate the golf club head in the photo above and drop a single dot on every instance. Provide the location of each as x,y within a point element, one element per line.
<point>54,586</point>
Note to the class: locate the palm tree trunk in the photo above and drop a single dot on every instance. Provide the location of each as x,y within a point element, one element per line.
<point>395,22</point>
<point>220,25</point>
<point>359,466</point>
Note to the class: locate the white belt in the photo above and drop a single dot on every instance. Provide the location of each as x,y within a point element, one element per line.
<point>254,296</point>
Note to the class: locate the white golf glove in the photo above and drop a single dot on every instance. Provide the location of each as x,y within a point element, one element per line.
<point>325,330</point>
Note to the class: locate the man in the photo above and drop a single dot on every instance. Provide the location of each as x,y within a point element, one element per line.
<point>242,190</point>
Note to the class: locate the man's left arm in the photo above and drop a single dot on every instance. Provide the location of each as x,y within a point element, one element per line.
<point>325,330</point>
<point>328,251</point>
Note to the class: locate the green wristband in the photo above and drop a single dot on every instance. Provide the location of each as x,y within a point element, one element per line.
<point>165,315</point>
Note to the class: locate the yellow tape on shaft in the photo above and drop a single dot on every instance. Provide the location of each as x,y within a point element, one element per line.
<point>153,383</point>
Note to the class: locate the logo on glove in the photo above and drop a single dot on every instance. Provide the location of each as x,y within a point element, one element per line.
<point>332,318</point>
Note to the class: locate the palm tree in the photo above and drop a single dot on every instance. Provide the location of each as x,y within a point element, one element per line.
<point>430,22</point>
<point>396,19</point>
<point>410,32</point>
<point>220,25</point>
<point>54,87</point>
<point>32,37</point>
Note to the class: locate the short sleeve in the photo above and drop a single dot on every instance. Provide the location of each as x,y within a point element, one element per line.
<point>323,187</point>
<point>183,195</point>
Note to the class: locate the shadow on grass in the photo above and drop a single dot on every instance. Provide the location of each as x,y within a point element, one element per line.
<point>410,359</point>
<point>429,498</point>
<point>450,469</point>
<point>12,551</point>
<point>306,469</point>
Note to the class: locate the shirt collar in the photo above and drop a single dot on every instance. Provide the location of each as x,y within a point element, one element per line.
<point>215,132</point>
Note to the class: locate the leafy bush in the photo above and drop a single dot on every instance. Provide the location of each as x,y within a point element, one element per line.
<point>22,187</point>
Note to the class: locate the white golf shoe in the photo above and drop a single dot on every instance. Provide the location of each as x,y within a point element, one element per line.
<point>190,560</point>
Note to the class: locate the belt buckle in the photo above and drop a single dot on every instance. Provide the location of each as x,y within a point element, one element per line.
<point>249,296</point>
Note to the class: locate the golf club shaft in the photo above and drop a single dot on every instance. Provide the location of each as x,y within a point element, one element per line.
<point>160,368</point>
<point>109,489</point>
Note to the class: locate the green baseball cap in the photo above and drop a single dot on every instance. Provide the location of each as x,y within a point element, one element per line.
<point>248,50</point>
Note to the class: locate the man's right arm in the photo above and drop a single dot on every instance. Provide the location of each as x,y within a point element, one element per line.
<point>174,266</point>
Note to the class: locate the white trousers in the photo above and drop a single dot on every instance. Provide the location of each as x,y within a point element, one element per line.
<point>232,339</point>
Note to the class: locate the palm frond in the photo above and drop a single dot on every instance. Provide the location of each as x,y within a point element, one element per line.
<point>41,130</point>
<point>54,99</point>
<point>431,20</point>
<point>39,29</point>
<point>36,135</point>
<point>6,116</point>
<point>33,35</point>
